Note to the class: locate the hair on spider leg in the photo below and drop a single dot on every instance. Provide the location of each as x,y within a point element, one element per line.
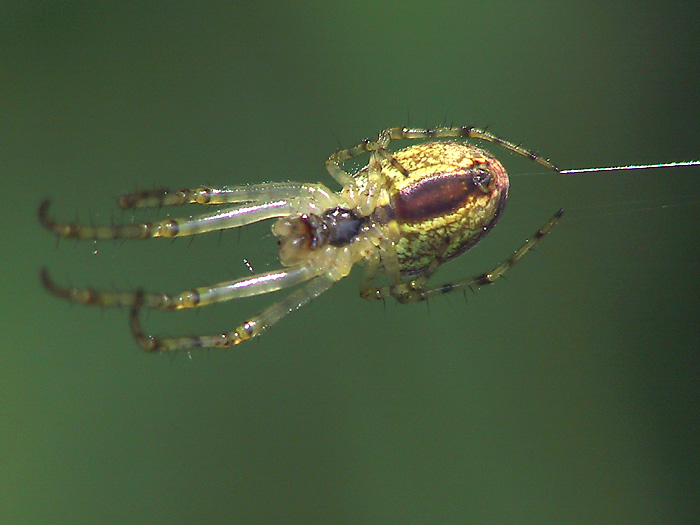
<point>77,221</point>
<point>120,243</point>
<point>340,145</point>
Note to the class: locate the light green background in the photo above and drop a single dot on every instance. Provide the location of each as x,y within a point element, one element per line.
<point>568,393</point>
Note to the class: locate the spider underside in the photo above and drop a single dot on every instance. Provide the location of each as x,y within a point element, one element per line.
<point>403,215</point>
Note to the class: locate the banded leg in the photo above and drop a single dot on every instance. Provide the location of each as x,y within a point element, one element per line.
<point>366,146</point>
<point>245,331</point>
<point>221,220</point>
<point>415,289</point>
<point>254,193</point>
<point>401,133</point>
<point>258,284</point>
<point>467,132</point>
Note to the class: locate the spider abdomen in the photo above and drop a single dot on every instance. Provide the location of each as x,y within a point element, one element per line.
<point>453,195</point>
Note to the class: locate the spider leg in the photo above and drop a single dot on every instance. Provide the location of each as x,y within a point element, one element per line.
<point>416,290</point>
<point>336,159</point>
<point>252,204</point>
<point>389,264</point>
<point>246,330</point>
<point>379,147</point>
<point>369,272</point>
<point>497,272</point>
<point>257,284</point>
<point>366,146</point>
<point>220,220</point>
<point>401,133</point>
<point>254,193</point>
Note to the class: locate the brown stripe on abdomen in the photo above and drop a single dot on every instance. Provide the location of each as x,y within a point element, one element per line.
<point>440,194</point>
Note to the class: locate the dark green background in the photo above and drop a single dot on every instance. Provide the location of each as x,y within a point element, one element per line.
<point>567,393</point>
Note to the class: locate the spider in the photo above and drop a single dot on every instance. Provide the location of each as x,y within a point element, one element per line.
<point>403,215</point>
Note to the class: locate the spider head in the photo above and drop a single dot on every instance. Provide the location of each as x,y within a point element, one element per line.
<point>299,236</point>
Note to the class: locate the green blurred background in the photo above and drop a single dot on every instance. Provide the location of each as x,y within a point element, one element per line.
<point>567,393</point>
